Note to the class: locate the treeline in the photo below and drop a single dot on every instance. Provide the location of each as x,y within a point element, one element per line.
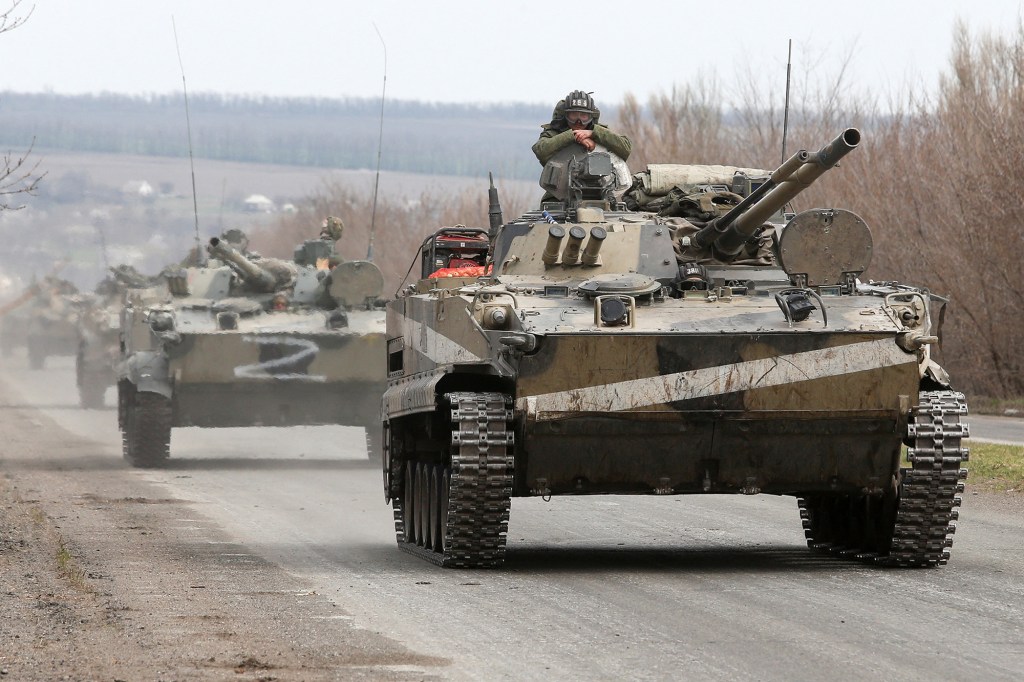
<point>419,137</point>
<point>936,178</point>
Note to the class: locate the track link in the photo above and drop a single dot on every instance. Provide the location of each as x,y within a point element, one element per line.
<point>918,531</point>
<point>457,515</point>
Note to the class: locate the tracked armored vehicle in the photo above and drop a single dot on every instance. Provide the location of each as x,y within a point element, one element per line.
<point>99,334</point>
<point>44,319</point>
<point>248,341</point>
<point>709,344</point>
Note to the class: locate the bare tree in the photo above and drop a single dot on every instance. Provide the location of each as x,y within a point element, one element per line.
<point>18,175</point>
<point>10,20</point>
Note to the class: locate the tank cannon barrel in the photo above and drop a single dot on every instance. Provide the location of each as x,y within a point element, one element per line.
<point>255,276</point>
<point>729,232</point>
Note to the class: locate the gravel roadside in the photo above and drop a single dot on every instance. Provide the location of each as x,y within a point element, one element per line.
<point>103,579</point>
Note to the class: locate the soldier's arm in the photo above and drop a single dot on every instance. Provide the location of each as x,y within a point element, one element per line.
<point>616,144</point>
<point>551,142</point>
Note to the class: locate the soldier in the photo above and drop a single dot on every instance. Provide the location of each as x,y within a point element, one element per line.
<point>575,121</point>
<point>332,228</point>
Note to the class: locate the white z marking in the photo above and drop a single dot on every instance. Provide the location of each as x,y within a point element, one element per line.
<point>304,352</point>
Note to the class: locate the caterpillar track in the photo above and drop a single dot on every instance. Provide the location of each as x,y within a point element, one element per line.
<point>454,512</point>
<point>146,428</point>
<point>913,526</point>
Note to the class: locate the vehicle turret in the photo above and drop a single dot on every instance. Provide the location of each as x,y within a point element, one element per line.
<point>727,234</point>
<point>263,278</point>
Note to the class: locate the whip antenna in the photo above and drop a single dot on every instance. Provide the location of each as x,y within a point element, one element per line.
<point>103,247</point>
<point>785,115</point>
<point>380,140</point>
<point>188,128</point>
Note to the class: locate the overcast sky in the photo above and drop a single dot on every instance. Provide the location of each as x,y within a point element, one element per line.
<point>476,50</point>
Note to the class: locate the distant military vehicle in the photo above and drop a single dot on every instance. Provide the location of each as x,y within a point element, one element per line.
<point>43,319</point>
<point>249,341</point>
<point>710,345</point>
<point>99,334</point>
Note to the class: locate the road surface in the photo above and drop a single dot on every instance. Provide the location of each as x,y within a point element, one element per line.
<point>599,588</point>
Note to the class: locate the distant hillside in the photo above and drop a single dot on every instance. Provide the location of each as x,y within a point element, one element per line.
<point>432,138</point>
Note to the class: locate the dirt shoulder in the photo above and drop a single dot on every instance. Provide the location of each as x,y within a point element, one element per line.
<point>101,578</point>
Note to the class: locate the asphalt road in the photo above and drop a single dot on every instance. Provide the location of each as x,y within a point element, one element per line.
<point>601,588</point>
<point>1007,430</point>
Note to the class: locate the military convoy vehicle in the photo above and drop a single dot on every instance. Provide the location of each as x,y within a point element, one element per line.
<point>702,342</point>
<point>249,341</point>
<point>99,331</point>
<point>44,319</point>
<point>99,334</point>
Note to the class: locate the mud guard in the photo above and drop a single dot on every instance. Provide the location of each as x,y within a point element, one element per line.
<point>148,371</point>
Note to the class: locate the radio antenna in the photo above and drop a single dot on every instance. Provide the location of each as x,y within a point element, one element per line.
<point>188,128</point>
<point>785,115</point>
<point>380,140</point>
<point>103,247</point>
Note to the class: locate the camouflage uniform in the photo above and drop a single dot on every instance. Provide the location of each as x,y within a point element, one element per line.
<point>556,135</point>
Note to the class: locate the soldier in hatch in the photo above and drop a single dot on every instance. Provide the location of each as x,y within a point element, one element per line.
<point>575,121</point>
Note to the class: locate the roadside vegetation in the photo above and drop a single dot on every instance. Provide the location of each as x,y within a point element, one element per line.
<point>997,467</point>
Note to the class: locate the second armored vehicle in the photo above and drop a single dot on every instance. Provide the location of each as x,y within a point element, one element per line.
<point>246,341</point>
<point>99,334</point>
<point>714,346</point>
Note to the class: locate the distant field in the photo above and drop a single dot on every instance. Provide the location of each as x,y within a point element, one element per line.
<point>218,179</point>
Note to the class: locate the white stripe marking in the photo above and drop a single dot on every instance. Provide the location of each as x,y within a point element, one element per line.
<point>438,348</point>
<point>741,376</point>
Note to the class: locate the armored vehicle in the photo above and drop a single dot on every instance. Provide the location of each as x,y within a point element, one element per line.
<point>249,341</point>
<point>711,344</point>
<point>44,319</point>
<point>99,334</point>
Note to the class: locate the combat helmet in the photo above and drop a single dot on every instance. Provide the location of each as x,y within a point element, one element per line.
<point>580,100</point>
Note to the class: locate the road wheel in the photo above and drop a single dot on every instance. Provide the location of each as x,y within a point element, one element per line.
<point>438,507</point>
<point>424,511</point>
<point>146,437</point>
<point>409,503</point>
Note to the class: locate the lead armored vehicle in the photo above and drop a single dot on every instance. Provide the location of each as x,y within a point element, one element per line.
<point>701,342</point>
<point>249,341</point>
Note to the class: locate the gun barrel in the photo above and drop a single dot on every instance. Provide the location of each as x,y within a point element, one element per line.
<point>254,275</point>
<point>797,174</point>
